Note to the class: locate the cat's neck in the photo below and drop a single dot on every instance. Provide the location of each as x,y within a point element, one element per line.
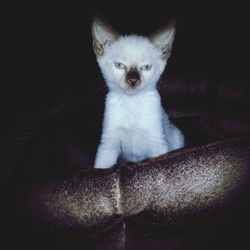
<point>149,97</point>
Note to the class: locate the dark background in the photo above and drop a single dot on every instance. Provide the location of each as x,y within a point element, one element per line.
<point>50,50</point>
<point>50,61</point>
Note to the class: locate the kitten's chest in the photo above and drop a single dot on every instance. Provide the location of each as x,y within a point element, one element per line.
<point>132,113</point>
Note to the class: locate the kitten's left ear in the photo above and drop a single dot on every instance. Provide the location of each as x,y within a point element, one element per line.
<point>103,35</point>
<point>164,39</point>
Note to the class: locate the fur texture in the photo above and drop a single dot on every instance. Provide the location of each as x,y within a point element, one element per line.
<point>135,125</point>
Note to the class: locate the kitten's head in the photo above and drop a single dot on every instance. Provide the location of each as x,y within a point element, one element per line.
<point>131,63</point>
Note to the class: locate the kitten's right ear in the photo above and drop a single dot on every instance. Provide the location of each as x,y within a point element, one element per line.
<point>164,38</point>
<point>103,35</point>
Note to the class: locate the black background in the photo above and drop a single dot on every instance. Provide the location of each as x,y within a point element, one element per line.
<point>49,58</point>
<point>50,49</point>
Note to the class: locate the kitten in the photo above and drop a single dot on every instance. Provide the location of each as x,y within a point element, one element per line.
<point>135,125</point>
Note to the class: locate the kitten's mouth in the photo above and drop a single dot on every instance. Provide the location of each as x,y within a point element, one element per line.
<point>131,90</point>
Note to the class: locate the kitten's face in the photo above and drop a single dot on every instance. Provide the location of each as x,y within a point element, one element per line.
<point>129,63</point>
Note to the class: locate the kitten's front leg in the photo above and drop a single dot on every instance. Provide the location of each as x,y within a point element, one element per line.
<point>107,155</point>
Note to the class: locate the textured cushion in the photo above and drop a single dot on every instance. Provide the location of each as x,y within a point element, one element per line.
<point>56,199</point>
<point>184,187</point>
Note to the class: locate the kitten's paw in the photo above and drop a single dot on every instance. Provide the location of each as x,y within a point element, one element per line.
<point>102,167</point>
<point>106,157</point>
<point>103,163</point>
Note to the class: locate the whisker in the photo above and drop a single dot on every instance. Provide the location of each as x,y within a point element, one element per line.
<point>102,90</point>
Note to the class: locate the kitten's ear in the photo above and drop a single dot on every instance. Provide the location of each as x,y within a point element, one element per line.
<point>103,35</point>
<point>164,39</point>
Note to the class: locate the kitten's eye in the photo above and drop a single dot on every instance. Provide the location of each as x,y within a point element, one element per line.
<point>119,65</point>
<point>146,67</point>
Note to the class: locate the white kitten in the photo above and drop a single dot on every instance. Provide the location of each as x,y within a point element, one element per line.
<point>135,125</point>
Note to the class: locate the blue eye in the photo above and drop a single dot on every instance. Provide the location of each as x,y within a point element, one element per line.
<point>119,65</point>
<point>146,67</point>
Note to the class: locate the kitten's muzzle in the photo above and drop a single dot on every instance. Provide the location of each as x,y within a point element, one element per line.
<point>133,78</point>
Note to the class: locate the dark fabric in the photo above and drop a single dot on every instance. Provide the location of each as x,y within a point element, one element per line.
<point>194,198</point>
<point>135,203</point>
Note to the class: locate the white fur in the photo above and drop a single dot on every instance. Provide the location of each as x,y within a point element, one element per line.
<point>135,125</point>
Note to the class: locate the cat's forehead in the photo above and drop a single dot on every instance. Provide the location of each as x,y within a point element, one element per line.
<point>133,47</point>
